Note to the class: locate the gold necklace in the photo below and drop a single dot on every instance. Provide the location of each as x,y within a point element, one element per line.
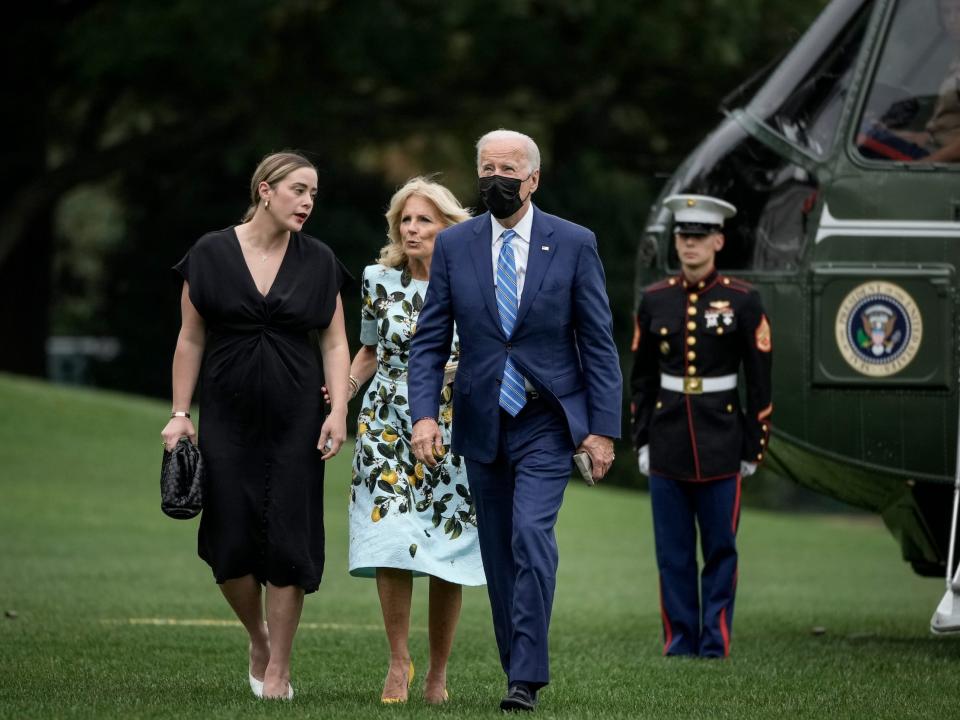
<point>263,256</point>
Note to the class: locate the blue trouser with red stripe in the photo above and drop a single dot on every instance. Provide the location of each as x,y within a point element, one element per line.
<point>678,508</point>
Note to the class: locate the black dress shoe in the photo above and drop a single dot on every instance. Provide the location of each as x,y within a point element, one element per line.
<point>521,697</point>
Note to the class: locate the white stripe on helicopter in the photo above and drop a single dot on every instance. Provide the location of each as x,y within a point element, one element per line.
<point>829,225</point>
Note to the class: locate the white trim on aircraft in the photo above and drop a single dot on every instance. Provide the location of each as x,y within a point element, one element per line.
<point>831,226</point>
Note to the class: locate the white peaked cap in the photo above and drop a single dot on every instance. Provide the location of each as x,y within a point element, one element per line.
<point>700,209</point>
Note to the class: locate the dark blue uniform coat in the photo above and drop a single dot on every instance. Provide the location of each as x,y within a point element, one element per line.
<point>708,329</point>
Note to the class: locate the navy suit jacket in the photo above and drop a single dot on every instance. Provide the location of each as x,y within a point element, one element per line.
<point>562,341</point>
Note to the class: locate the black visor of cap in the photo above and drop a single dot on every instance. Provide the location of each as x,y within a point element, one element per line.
<point>695,228</point>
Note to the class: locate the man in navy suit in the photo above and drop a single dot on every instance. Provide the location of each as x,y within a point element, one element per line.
<point>538,380</point>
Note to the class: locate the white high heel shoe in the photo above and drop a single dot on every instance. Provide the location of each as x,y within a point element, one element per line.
<point>288,696</point>
<point>256,686</point>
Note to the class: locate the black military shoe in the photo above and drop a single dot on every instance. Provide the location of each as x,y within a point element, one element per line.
<point>520,698</point>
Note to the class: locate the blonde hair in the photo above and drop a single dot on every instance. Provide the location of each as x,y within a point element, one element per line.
<point>271,170</point>
<point>530,147</point>
<point>450,209</point>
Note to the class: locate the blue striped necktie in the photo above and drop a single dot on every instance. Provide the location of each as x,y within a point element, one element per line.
<point>513,396</point>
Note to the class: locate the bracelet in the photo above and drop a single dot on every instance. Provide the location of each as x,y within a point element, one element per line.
<point>179,413</point>
<point>354,385</point>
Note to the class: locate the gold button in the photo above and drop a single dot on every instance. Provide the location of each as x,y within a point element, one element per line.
<point>764,427</point>
<point>693,297</point>
<point>691,311</point>
<point>759,456</point>
<point>673,281</point>
<point>659,404</point>
<point>691,325</point>
<point>719,331</point>
<point>729,407</point>
<point>663,331</point>
<point>691,370</point>
<point>691,340</point>
<point>701,284</point>
<point>763,441</point>
<point>726,281</point>
<point>691,356</point>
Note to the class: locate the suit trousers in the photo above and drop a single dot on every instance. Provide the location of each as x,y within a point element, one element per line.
<point>518,497</point>
<point>692,627</point>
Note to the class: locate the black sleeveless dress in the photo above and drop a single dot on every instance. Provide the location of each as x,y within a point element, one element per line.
<point>261,408</point>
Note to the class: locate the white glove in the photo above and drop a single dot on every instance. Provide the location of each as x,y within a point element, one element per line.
<point>747,468</point>
<point>643,459</point>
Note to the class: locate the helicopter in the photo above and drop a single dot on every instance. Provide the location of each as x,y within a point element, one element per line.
<point>848,225</point>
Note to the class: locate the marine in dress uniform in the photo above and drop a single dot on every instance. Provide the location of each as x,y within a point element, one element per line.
<point>694,438</point>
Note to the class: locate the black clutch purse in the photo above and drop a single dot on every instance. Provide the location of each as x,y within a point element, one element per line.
<point>181,481</point>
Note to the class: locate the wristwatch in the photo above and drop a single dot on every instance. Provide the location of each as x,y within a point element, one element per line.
<point>179,413</point>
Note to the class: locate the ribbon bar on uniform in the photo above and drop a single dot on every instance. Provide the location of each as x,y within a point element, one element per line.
<point>695,385</point>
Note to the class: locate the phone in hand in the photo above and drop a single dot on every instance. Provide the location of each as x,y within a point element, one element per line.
<point>585,465</point>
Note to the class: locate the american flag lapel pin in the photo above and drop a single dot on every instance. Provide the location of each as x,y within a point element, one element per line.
<point>545,248</point>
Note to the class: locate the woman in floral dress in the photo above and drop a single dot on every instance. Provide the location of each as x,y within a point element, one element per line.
<point>406,519</point>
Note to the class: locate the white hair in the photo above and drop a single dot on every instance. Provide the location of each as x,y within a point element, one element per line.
<point>532,151</point>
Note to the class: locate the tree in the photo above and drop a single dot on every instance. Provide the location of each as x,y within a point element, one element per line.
<point>168,106</point>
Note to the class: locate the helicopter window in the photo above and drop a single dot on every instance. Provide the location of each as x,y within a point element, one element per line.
<point>773,197</point>
<point>803,99</point>
<point>912,113</point>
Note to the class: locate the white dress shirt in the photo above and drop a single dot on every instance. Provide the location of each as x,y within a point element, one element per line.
<point>521,246</point>
<point>521,251</point>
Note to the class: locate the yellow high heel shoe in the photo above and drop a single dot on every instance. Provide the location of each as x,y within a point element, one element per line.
<point>443,698</point>
<point>395,700</point>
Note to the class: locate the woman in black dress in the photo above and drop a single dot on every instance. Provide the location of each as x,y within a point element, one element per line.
<point>252,294</point>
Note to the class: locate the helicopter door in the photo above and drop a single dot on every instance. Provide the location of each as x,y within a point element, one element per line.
<point>885,250</point>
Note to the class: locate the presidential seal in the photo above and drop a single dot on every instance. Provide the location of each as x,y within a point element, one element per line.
<point>878,329</point>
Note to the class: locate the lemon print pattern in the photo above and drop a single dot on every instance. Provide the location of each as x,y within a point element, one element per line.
<point>403,514</point>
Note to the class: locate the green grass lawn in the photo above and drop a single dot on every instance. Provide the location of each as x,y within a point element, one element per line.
<point>115,616</point>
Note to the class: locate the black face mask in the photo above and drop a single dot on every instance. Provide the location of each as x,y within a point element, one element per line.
<point>501,195</point>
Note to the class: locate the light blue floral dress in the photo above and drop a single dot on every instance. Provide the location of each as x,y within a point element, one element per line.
<point>404,514</point>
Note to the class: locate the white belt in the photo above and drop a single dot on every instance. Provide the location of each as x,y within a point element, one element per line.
<point>695,385</point>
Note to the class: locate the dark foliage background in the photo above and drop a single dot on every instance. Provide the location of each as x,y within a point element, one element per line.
<point>132,128</point>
